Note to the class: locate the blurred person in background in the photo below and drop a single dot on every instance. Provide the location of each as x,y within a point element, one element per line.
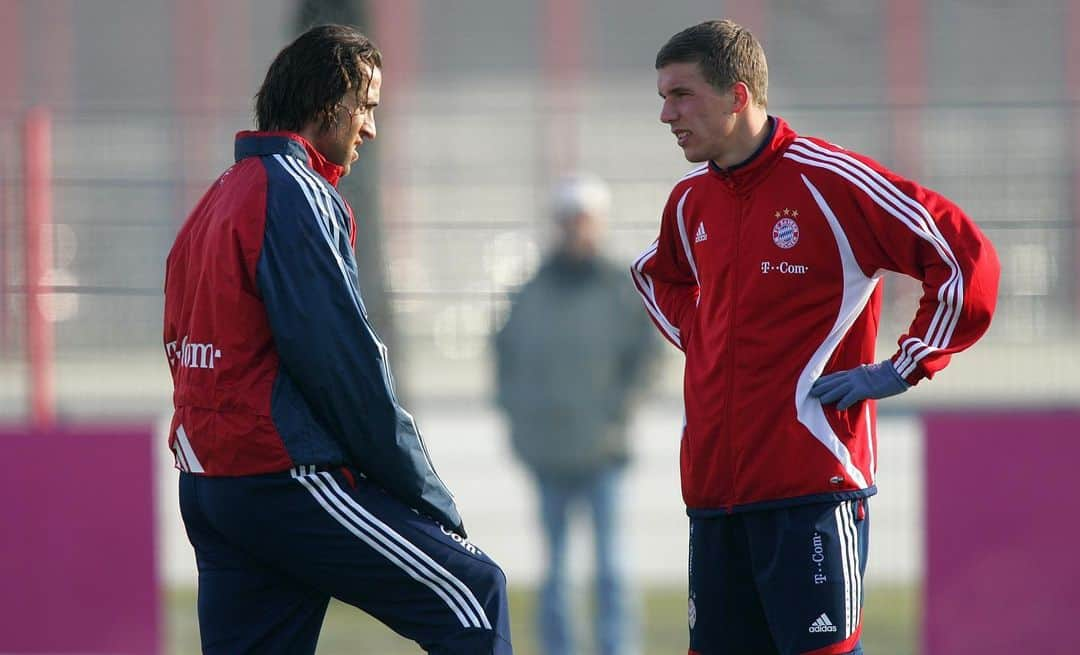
<point>766,274</point>
<point>301,476</point>
<point>568,360</point>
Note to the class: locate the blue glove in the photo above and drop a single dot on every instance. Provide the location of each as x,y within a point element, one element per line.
<point>846,388</point>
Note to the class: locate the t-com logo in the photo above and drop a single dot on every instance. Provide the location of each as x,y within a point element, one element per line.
<point>784,268</point>
<point>817,556</point>
<point>785,232</point>
<point>191,355</point>
<point>461,541</point>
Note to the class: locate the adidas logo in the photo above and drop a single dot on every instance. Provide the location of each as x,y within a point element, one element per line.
<point>822,624</point>
<point>700,236</point>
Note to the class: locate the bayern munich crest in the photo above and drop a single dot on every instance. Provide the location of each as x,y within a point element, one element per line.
<point>785,233</point>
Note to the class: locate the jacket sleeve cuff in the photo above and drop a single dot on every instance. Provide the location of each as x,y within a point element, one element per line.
<point>914,375</point>
<point>900,380</point>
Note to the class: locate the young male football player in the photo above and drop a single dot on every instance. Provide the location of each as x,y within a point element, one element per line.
<point>767,274</point>
<point>302,477</point>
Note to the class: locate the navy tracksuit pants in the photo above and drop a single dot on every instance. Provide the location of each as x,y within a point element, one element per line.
<point>781,581</point>
<point>273,549</point>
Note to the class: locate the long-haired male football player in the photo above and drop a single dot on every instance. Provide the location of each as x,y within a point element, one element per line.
<point>301,476</point>
<point>767,275</point>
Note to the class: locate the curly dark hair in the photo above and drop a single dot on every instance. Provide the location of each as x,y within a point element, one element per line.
<point>311,75</point>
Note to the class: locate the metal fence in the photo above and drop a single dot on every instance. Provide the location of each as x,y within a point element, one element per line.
<point>485,104</point>
<point>463,198</point>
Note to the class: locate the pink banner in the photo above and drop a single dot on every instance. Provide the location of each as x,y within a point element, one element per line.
<point>1002,527</point>
<point>77,556</point>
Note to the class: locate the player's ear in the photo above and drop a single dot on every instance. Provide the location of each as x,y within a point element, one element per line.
<point>740,97</point>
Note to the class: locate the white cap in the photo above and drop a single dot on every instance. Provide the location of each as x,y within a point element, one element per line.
<point>580,194</point>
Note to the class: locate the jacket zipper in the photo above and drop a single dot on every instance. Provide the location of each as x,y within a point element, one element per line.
<point>733,299</point>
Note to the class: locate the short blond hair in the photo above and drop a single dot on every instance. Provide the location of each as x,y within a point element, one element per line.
<point>726,52</point>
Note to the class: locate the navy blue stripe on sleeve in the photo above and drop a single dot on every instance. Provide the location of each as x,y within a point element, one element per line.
<point>307,275</point>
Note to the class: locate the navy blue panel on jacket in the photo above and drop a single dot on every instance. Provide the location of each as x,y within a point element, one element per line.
<point>335,363</point>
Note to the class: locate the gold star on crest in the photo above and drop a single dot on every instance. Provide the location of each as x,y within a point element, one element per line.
<point>787,212</point>
<point>778,214</point>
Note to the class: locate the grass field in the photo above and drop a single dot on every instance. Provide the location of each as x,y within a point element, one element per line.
<point>890,626</point>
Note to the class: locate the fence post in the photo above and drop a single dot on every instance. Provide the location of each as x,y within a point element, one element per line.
<point>37,202</point>
<point>1072,106</point>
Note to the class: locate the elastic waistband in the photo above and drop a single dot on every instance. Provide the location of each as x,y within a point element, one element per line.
<point>296,471</point>
<point>829,497</point>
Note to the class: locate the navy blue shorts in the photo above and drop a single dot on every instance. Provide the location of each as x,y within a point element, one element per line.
<point>780,581</point>
<point>273,549</point>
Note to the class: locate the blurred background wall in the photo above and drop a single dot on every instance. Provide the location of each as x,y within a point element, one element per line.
<point>485,104</point>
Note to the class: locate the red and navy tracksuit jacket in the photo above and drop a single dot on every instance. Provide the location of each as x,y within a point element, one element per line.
<point>768,276</point>
<point>274,362</point>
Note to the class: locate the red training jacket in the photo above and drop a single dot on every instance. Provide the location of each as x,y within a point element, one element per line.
<point>767,275</point>
<point>274,362</point>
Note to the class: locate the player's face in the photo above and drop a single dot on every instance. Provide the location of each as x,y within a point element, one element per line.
<point>356,123</point>
<point>700,117</point>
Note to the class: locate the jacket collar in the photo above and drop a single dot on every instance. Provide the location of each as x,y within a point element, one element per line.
<point>750,171</point>
<point>262,144</point>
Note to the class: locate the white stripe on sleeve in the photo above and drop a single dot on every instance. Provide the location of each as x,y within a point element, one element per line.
<point>681,221</point>
<point>645,287</point>
<point>909,212</point>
